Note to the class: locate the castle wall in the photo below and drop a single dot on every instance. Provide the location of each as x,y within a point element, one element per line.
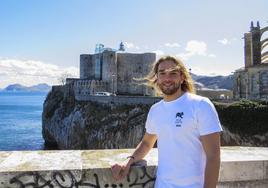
<point>87,67</point>
<point>118,70</point>
<point>89,87</point>
<point>97,60</point>
<point>109,70</point>
<point>131,66</point>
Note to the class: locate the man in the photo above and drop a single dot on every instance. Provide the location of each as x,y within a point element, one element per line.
<point>187,129</point>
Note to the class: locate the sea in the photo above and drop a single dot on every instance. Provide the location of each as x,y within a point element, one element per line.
<point>21,120</point>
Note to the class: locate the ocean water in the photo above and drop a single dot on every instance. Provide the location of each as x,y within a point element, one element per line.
<point>21,121</point>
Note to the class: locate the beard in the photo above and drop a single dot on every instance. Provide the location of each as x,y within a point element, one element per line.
<point>169,90</point>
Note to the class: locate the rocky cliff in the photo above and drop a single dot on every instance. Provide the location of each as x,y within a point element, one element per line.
<point>70,124</point>
<point>88,125</point>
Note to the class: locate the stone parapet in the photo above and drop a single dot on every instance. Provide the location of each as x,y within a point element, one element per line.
<point>240,167</point>
<point>89,87</point>
<point>59,88</point>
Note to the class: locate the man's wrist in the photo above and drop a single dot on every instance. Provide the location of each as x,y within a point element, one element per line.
<point>131,159</point>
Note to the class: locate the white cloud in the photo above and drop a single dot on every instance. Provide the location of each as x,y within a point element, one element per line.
<point>159,52</point>
<point>224,41</point>
<point>130,45</point>
<point>183,56</point>
<point>194,48</point>
<point>172,45</point>
<point>30,72</point>
<point>211,55</point>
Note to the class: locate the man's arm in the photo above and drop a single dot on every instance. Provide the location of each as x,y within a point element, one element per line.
<point>120,171</point>
<point>211,145</point>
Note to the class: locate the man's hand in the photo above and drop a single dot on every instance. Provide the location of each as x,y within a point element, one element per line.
<point>120,171</point>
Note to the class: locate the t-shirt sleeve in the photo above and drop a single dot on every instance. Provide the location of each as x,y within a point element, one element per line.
<point>207,118</point>
<point>149,125</point>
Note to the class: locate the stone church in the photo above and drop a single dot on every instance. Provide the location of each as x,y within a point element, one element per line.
<point>251,81</point>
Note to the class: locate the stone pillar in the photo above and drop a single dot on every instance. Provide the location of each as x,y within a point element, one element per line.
<point>256,45</point>
<point>250,83</point>
<point>258,85</point>
<point>247,50</point>
<point>246,86</point>
<point>92,88</point>
<point>236,85</point>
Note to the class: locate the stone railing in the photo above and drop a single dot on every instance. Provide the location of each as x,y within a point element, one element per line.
<point>240,167</point>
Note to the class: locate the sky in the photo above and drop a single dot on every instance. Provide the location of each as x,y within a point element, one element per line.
<point>41,41</point>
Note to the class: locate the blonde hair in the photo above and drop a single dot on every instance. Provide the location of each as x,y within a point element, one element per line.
<point>187,84</point>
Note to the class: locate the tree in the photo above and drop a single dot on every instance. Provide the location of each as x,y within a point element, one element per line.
<point>63,77</point>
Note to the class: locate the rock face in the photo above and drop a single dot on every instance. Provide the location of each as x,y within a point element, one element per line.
<point>87,125</point>
<point>69,124</point>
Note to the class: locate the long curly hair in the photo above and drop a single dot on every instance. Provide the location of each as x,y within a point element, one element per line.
<point>187,85</point>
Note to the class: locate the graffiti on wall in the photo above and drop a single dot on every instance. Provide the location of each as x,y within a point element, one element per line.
<point>138,177</point>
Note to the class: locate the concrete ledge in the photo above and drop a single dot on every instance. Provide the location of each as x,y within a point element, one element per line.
<point>240,167</point>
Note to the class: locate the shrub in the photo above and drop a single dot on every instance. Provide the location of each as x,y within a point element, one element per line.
<point>244,117</point>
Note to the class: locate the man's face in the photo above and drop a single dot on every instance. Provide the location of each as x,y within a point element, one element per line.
<point>169,78</point>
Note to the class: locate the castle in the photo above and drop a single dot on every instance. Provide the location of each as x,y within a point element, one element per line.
<point>113,71</point>
<point>251,81</point>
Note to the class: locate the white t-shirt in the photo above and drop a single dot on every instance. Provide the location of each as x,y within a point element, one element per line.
<point>178,125</point>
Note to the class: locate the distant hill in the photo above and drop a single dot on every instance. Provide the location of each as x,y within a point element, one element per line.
<point>21,88</point>
<point>210,82</point>
<point>214,82</point>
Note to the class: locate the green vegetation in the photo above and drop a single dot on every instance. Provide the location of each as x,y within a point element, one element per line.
<point>244,117</point>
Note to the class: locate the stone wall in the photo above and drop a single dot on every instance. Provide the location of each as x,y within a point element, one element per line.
<point>119,100</point>
<point>87,67</point>
<point>85,87</point>
<point>109,70</point>
<point>215,94</point>
<point>256,45</point>
<point>118,70</point>
<point>58,88</point>
<point>251,83</point>
<point>131,66</point>
<point>240,167</point>
<point>89,87</point>
<point>247,49</point>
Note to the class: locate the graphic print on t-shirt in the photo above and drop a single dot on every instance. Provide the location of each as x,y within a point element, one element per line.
<point>179,117</point>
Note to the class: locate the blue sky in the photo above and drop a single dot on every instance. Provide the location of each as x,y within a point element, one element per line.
<point>42,40</point>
